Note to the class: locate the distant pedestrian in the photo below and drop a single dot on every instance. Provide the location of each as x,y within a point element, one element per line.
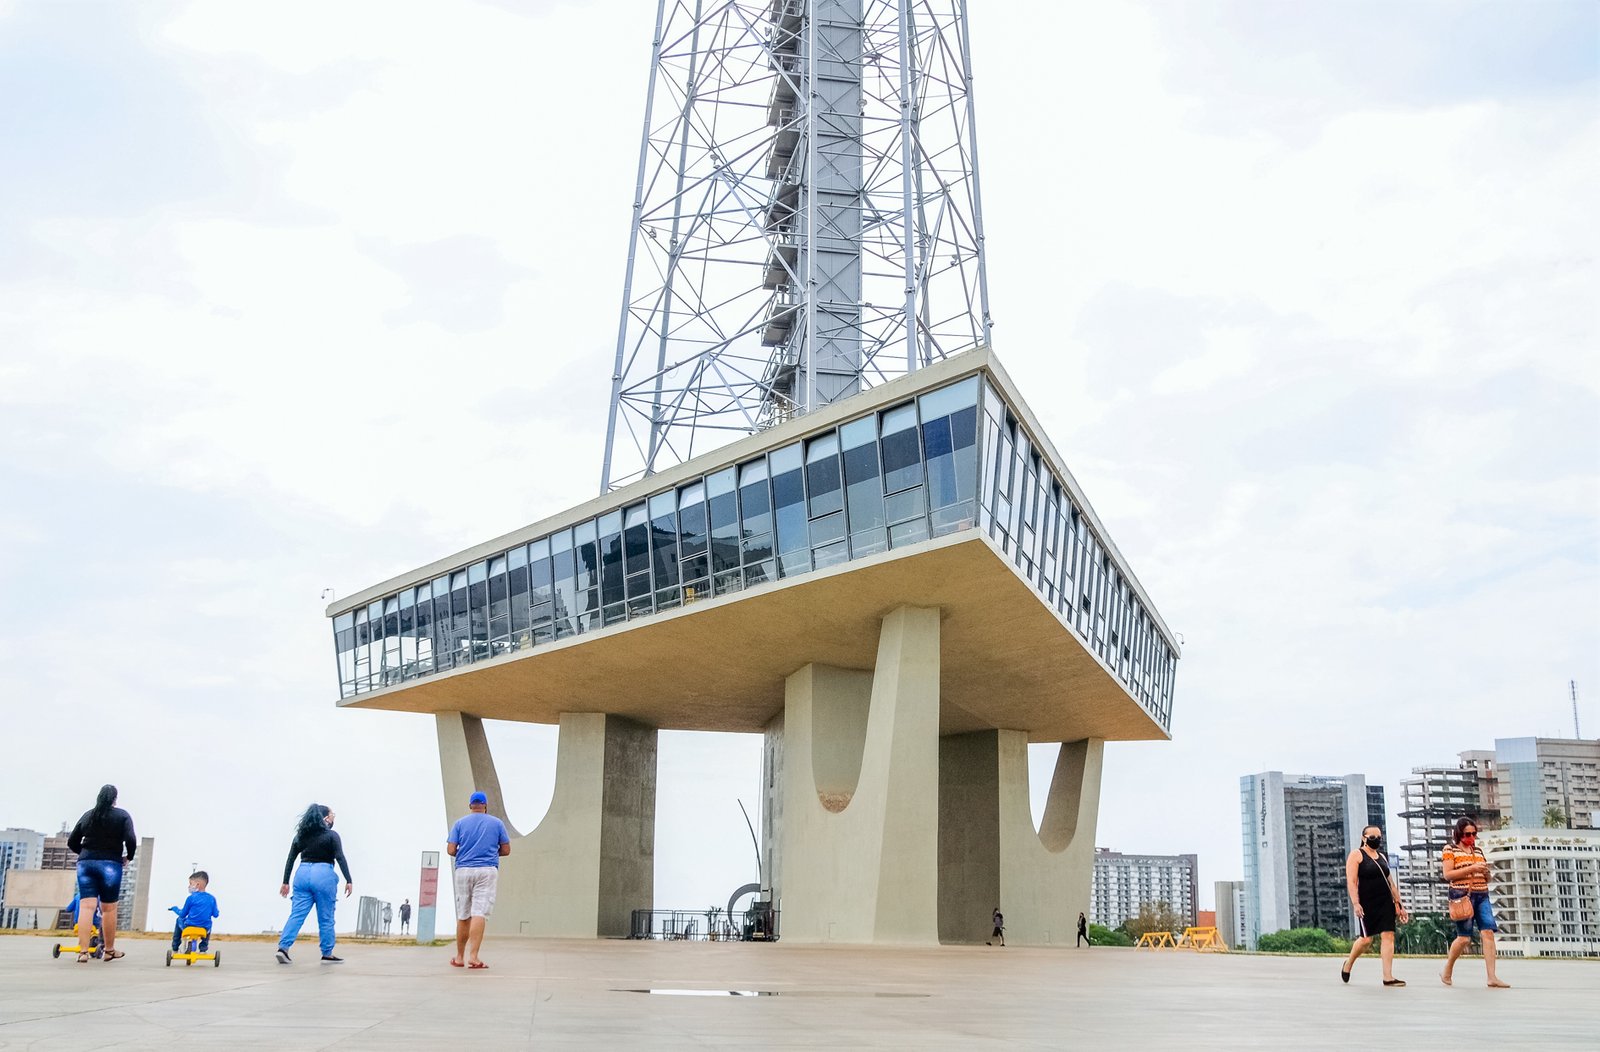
<point>103,840</point>
<point>999,928</point>
<point>405,916</point>
<point>1083,931</point>
<point>388,917</point>
<point>315,883</point>
<point>1468,873</point>
<point>477,843</point>
<point>1376,899</point>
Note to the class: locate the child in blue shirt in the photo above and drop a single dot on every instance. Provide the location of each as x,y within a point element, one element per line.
<point>197,911</point>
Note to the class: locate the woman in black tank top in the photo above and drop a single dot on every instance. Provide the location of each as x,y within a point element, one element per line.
<point>1376,901</point>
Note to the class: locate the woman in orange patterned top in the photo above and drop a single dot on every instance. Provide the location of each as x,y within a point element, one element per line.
<point>1468,873</point>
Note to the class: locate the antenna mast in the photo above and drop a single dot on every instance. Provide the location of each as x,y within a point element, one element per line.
<point>1572,685</point>
<point>806,219</point>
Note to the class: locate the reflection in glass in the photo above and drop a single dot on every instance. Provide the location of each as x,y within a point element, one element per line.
<point>724,510</point>
<point>541,592</point>
<point>664,547</point>
<point>611,593</point>
<point>517,587</point>
<point>499,606</point>
<point>902,458</point>
<point>789,511</point>
<point>586,588</point>
<point>863,486</point>
<point>566,583</point>
<point>424,629</point>
<point>692,542</point>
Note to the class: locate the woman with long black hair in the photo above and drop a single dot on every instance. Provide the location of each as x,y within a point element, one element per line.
<point>315,883</point>
<point>103,840</point>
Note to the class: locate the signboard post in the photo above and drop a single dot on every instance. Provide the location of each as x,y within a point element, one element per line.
<point>428,897</point>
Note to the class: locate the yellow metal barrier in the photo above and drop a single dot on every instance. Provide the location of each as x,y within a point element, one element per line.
<point>1156,940</point>
<point>1202,939</point>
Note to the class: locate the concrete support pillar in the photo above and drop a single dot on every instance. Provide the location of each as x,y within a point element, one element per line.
<point>858,858</point>
<point>590,862</point>
<point>989,853</point>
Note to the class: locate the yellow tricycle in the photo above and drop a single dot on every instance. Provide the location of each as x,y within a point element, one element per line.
<point>191,939</point>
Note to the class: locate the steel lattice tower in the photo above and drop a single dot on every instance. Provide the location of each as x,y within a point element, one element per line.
<point>806,222</point>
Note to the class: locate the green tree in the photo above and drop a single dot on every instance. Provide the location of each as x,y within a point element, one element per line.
<point>1153,916</point>
<point>1100,935</point>
<point>1555,818</point>
<point>1424,933</point>
<point>1300,940</point>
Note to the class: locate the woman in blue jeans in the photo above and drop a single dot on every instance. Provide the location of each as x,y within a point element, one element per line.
<point>103,840</point>
<point>315,883</point>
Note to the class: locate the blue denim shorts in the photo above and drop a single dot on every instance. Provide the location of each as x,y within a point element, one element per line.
<point>99,879</point>
<point>1482,916</point>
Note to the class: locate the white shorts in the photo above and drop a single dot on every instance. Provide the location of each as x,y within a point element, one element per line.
<point>475,891</point>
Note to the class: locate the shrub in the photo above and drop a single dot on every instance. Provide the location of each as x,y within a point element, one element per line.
<point>1100,935</point>
<point>1301,940</point>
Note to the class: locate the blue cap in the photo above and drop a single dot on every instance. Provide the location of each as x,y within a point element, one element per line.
<point>478,798</point>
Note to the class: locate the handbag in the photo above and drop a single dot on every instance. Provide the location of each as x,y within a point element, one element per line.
<point>1460,905</point>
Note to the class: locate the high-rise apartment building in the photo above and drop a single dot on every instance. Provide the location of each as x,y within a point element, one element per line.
<point>1123,883</point>
<point>1546,886</point>
<point>1538,776</point>
<point>1298,831</point>
<point>19,849</point>
<point>1230,912</point>
<point>1434,798</point>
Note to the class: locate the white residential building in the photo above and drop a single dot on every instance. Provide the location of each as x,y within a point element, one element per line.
<point>1123,883</point>
<point>1545,887</point>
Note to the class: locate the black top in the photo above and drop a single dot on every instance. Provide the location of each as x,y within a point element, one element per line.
<point>1372,879</point>
<point>322,846</point>
<point>104,840</point>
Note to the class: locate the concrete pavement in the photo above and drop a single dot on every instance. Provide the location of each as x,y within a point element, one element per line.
<point>582,994</point>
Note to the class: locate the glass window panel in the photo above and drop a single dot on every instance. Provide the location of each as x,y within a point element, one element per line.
<point>908,533</point>
<point>611,593</point>
<point>905,505</point>
<point>499,604</point>
<point>946,400</point>
<point>723,507</point>
<point>692,538</point>
<point>363,652</point>
<point>460,629</point>
<point>407,638</point>
<point>863,486</point>
<point>586,586</point>
<point>902,460</point>
<point>824,484</point>
<point>478,596</point>
<point>636,539</point>
<point>541,592</point>
<point>424,629</point>
<point>443,626</point>
<point>827,529</point>
<point>831,554</point>
<point>564,570</point>
<point>755,503</point>
<point>868,542</point>
<point>664,539</point>
<point>517,587</point>
<point>788,506</point>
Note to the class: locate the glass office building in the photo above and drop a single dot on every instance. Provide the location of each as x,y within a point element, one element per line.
<point>952,458</point>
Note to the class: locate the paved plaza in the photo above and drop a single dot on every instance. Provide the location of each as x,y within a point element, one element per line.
<point>585,994</point>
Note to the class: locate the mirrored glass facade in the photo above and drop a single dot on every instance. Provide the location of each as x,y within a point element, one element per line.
<point>950,459</point>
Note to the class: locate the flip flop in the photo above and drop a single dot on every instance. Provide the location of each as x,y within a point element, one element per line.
<point>1443,978</point>
<point>1498,985</point>
<point>1394,982</point>
<point>476,964</point>
<point>455,962</point>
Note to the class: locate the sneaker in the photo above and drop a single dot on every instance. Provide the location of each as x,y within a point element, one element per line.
<point>331,959</point>
<point>283,955</point>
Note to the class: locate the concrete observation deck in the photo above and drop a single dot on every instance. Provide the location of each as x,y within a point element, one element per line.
<point>560,994</point>
<point>952,596</point>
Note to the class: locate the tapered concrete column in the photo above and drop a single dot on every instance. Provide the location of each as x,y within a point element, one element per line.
<point>859,783</point>
<point>590,862</point>
<point>989,852</point>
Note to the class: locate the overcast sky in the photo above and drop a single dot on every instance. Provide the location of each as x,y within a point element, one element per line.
<point>300,296</point>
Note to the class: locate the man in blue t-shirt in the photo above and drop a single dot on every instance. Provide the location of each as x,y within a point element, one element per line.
<point>477,843</point>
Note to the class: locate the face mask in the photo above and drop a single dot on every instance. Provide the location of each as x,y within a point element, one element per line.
<point>1374,841</point>
<point>1469,839</point>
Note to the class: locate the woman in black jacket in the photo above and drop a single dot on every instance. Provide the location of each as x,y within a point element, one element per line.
<point>103,840</point>
<point>315,884</point>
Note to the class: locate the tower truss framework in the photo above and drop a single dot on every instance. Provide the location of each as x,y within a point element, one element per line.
<point>806,221</point>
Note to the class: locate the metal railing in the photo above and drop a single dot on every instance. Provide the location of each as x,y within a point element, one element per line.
<point>757,924</point>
